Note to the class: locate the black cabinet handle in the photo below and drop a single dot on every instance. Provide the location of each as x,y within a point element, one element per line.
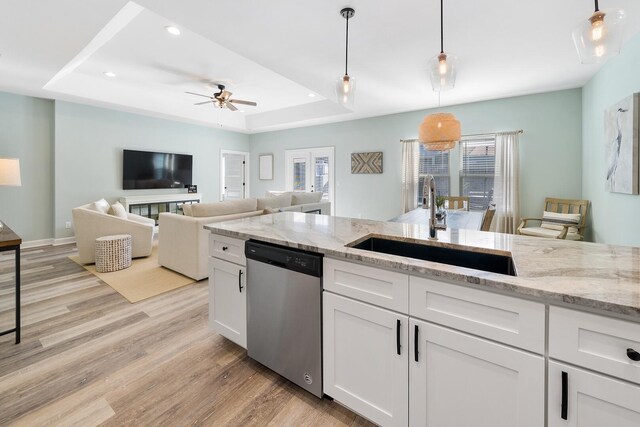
<point>398,346</point>
<point>224,248</point>
<point>565,395</point>
<point>415,342</point>
<point>633,355</point>
<point>240,281</point>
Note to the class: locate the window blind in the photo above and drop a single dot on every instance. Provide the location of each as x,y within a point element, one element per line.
<point>477,171</point>
<point>434,163</point>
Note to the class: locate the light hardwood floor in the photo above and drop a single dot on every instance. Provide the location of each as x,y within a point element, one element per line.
<point>89,357</point>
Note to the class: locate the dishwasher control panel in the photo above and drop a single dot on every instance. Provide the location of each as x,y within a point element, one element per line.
<point>292,259</point>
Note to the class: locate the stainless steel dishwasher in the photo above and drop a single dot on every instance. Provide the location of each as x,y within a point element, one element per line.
<point>284,312</point>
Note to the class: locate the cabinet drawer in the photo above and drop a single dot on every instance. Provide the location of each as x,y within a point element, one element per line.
<point>227,248</point>
<point>384,288</point>
<point>596,342</point>
<point>501,318</point>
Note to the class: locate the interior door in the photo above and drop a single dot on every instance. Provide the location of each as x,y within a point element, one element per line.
<point>233,171</point>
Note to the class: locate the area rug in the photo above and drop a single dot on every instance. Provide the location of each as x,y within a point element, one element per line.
<point>144,279</point>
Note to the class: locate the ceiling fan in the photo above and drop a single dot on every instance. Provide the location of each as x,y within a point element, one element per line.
<point>223,99</point>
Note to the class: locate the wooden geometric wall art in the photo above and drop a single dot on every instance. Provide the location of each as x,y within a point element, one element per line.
<point>366,162</point>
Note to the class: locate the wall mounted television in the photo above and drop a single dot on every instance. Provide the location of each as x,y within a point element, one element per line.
<point>146,169</point>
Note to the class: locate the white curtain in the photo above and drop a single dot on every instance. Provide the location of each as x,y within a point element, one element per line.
<point>506,186</point>
<point>410,160</point>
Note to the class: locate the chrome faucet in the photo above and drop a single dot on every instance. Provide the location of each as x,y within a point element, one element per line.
<point>430,187</point>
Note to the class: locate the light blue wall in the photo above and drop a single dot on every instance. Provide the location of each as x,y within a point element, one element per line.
<point>550,154</point>
<point>88,154</point>
<point>614,217</point>
<point>26,132</point>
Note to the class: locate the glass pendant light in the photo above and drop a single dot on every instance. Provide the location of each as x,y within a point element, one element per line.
<point>442,67</point>
<point>600,36</point>
<point>346,85</point>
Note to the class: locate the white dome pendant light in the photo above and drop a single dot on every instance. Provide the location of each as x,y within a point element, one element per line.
<point>600,36</point>
<point>346,85</point>
<point>441,131</point>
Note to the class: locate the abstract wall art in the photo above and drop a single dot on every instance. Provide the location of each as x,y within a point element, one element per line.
<point>621,142</point>
<point>366,162</point>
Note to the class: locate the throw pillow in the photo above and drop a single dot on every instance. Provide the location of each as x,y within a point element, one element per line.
<point>554,221</point>
<point>281,201</point>
<point>305,198</point>
<point>118,210</point>
<point>227,207</point>
<point>100,206</point>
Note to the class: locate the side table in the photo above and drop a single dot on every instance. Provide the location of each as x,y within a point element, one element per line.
<point>113,253</point>
<point>10,241</point>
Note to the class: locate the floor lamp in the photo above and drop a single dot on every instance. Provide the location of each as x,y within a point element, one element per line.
<point>9,175</point>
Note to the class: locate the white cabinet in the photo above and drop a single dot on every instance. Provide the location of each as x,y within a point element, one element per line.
<point>457,379</point>
<point>579,398</point>
<point>365,359</point>
<point>228,300</point>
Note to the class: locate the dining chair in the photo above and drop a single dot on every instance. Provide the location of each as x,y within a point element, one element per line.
<point>460,203</point>
<point>561,219</point>
<point>487,218</point>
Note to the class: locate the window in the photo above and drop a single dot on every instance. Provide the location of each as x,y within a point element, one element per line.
<point>434,163</point>
<point>477,171</point>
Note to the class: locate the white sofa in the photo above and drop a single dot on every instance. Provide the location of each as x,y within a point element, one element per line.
<point>89,224</point>
<point>183,241</point>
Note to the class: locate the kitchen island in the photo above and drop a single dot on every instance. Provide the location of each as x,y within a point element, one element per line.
<point>414,342</point>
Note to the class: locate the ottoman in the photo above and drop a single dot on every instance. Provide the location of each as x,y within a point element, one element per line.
<point>113,253</point>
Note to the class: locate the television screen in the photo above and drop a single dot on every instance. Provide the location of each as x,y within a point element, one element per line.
<point>145,169</point>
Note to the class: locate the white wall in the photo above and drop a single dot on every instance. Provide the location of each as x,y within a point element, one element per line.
<point>550,155</point>
<point>614,218</point>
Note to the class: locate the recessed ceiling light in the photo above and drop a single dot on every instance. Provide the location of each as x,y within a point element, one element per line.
<point>174,31</point>
<point>242,111</point>
<point>109,74</point>
<point>312,95</point>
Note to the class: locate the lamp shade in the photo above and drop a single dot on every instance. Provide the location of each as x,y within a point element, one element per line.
<point>10,172</point>
<point>600,36</point>
<point>442,69</point>
<point>345,90</point>
<point>439,131</point>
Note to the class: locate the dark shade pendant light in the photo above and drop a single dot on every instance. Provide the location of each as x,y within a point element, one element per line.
<point>600,36</point>
<point>346,85</point>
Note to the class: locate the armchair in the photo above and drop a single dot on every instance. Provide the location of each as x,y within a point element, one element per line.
<point>561,219</point>
<point>90,224</point>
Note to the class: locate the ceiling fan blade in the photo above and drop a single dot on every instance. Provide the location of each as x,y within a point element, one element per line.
<point>199,94</point>
<point>230,106</point>
<point>240,101</point>
<point>205,102</point>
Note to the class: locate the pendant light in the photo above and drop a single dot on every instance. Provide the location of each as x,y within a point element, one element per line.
<point>441,131</point>
<point>442,67</point>
<point>346,85</point>
<point>600,36</point>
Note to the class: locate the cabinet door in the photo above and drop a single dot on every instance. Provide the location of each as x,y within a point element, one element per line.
<point>228,300</point>
<point>365,359</point>
<point>592,400</point>
<point>462,380</point>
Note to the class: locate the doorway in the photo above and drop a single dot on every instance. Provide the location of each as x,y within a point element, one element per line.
<point>311,170</point>
<point>234,175</point>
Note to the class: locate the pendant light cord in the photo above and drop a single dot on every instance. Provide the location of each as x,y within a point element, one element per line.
<point>346,50</point>
<point>597,8</point>
<point>442,26</point>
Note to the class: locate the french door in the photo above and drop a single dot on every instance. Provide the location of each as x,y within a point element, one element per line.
<point>311,170</point>
<point>234,175</point>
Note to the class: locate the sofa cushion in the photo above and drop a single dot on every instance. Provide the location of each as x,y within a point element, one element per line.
<point>276,193</point>
<point>118,210</point>
<point>227,207</point>
<point>100,206</point>
<point>186,209</point>
<point>547,232</point>
<point>281,201</point>
<point>292,208</point>
<point>304,198</point>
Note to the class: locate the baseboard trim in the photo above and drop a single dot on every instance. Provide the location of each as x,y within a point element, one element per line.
<point>64,241</point>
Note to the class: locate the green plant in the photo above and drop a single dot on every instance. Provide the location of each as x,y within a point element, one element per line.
<point>439,201</point>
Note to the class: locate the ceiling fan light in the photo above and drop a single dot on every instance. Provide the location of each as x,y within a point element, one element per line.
<point>345,90</point>
<point>600,36</point>
<point>443,70</point>
<point>439,131</point>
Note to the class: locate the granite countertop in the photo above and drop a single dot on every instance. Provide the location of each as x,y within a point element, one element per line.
<point>594,275</point>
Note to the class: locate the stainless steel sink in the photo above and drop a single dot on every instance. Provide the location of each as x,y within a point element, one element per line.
<point>494,263</point>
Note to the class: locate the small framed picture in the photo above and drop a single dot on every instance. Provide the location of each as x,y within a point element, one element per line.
<point>266,166</point>
<point>192,188</point>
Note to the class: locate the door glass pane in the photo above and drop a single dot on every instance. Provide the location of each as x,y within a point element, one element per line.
<point>299,174</point>
<point>321,176</point>
<point>233,176</point>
